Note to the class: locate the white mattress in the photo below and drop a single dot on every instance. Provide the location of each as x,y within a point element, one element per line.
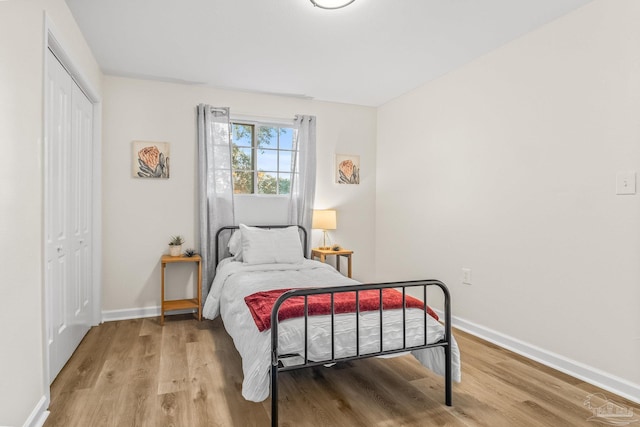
<point>235,280</point>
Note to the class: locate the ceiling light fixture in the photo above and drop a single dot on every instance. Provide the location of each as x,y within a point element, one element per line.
<point>331,4</point>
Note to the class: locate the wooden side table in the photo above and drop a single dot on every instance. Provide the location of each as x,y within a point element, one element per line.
<point>322,254</point>
<point>180,304</point>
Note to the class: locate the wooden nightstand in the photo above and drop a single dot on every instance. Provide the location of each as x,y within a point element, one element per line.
<point>322,254</point>
<point>180,304</point>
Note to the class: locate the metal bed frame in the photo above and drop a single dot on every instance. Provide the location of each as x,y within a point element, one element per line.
<point>276,360</point>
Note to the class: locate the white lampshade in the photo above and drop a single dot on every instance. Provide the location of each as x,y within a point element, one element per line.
<point>324,219</point>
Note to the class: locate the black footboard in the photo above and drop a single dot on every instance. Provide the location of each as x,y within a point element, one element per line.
<point>277,367</point>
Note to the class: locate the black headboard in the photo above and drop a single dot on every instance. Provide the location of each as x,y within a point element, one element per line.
<point>224,234</point>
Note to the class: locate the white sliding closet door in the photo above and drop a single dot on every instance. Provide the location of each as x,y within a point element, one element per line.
<point>68,243</point>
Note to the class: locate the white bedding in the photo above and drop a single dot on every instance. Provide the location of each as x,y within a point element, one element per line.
<point>235,280</point>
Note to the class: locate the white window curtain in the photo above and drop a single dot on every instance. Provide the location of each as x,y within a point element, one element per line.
<point>215,183</point>
<point>303,180</point>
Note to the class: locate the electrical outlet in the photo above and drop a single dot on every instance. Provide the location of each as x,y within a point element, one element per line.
<point>466,276</point>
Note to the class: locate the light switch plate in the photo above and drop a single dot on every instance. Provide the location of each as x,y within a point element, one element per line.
<point>466,276</point>
<point>626,183</point>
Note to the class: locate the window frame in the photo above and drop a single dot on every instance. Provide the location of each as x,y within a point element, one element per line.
<point>255,124</point>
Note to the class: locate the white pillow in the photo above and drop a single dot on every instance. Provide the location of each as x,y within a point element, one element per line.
<point>275,246</point>
<point>235,245</point>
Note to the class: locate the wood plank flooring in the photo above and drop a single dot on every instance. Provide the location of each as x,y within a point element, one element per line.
<point>188,374</point>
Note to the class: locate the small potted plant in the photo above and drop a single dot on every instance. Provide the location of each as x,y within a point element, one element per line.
<point>175,245</point>
<point>189,253</point>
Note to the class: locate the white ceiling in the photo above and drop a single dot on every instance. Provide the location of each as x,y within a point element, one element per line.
<point>367,53</point>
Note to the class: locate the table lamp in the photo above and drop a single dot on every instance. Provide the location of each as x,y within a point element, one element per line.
<point>324,220</point>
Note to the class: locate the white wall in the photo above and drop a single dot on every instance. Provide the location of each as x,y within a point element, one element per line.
<point>23,386</point>
<point>507,166</point>
<point>139,215</point>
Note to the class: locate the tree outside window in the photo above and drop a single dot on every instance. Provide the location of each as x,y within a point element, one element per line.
<point>262,158</point>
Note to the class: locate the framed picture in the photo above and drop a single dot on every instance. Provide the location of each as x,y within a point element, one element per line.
<point>150,159</point>
<point>347,169</point>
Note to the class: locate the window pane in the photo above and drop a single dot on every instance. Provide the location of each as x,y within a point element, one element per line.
<point>261,158</point>
<point>243,182</point>
<point>241,158</point>
<point>268,137</point>
<point>267,183</point>
<point>284,183</point>
<point>285,161</point>
<point>242,134</point>
<point>267,160</point>
<point>286,139</point>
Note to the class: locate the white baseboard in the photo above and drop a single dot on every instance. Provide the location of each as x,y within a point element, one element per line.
<point>136,313</point>
<point>589,374</point>
<point>130,313</point>
<point>38,415</point>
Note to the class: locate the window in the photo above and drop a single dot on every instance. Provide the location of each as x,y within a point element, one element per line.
<point>262,158</point>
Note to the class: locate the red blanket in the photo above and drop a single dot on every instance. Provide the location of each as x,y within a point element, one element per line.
<point>261,303</point>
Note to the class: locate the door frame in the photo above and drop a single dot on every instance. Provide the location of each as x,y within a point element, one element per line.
<point>54,44</point>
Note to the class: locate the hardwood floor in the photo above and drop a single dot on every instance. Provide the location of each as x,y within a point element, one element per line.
<point>188,373</point>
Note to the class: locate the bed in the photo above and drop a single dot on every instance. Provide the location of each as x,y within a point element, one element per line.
<point>262,278</point>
